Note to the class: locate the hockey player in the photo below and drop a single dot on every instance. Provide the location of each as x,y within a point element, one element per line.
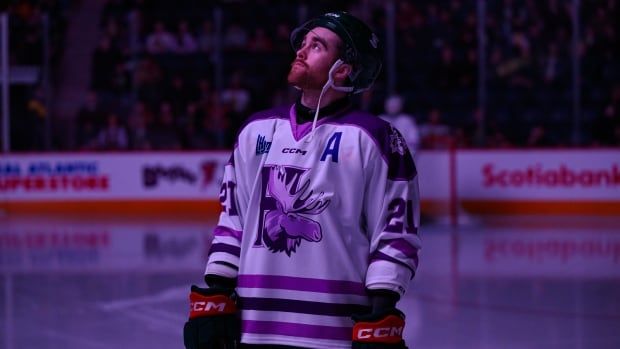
<point>318,237</point>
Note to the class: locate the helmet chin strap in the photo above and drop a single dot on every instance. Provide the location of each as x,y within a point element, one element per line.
<point>328,84</point>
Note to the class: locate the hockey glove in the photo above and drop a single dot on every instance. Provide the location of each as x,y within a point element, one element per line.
<point>381,330</point>
<point>213,320</point>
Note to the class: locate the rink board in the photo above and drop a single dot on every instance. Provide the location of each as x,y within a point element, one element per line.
<point>169,183</point>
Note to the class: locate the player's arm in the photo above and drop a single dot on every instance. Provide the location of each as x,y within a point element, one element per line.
<point>393,221</point>
<point>214,321</point>
<point>223,256</point>
<point>391,208</point>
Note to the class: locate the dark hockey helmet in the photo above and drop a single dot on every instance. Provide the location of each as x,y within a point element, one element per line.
<point>361,45</point>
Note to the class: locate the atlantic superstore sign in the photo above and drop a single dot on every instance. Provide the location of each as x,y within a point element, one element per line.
<point>112,176</point>
<point>51,175</point>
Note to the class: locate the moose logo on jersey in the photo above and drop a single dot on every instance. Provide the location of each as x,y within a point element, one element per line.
<point>397,142</point>
<point>284,204</point>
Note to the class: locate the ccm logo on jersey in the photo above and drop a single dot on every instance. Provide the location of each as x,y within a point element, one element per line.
<point>294,151</point>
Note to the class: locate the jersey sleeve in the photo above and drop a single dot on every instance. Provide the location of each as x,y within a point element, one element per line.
<point>223,256</point>
<point>392,207</point>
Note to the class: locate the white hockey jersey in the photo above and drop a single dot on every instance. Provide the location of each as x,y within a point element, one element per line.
<point>310,221</point>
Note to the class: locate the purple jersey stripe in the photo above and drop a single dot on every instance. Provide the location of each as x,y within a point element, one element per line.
<point>304,307</point>
<point>302,284</point>
<point>274,113</point>
<point>388,140</point>
<point>231,159</point>
<point>296,330</point>
<point>230,265</point>
<point>298,130</point>
<point>225,231</point>
<point>233,250</point>
<point>379,256</point>
<point>403,246</point>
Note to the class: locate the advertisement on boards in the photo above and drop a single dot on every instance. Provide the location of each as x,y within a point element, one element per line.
<point>112,176</point>
<point>539,174</point>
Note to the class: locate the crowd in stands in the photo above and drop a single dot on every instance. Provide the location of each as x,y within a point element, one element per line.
<point>165,77</point>
<point>528,85</point>
<point>29,21</point>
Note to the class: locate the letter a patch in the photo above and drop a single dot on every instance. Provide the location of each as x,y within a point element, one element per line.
<point>332,148</point>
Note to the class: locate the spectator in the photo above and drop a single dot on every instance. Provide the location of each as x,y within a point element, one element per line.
<point>140,120</point>
<point>217,125</point>
<point>236,99</point>
<point>113,136</point>
<point>104,65</point>
<point>538,137</point>
<point>435,134</point>
<point>207,38</point>
<point>236,37</point>
<point>38,114</point>
<point>114,9</point>
<point>469,69</point>
<point>445,73</point>
<point>551,68</point>
<point>282,44</point>
<point>205,91</point>
<point>116,36</point>
<point>194,135</point>
<point>164,134</point>
<point>260,42</point>
<point>27,34</point>
<point>139,137</point>
<point>475,131</point>
<point>120,81</point>
<point>160,40</point>
<point>178,94</point>
<point>186,43</point>
<point>606,128</point>
<point>90,119</point>
<point>149,80</point>
<point>237,96</point>
<point>404,123</point>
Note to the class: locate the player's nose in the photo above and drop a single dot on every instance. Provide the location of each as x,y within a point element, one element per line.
<point>301,53</point>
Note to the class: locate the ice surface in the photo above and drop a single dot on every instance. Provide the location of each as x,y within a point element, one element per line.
<point>106,283</point>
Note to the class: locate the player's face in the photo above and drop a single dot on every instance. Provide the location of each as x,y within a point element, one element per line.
<point>315,56</point>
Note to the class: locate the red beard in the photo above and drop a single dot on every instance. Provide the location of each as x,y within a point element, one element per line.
<point>301,76</point>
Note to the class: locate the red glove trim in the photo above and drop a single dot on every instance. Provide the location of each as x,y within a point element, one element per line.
<point>388,330</point>
<point>200,305</point>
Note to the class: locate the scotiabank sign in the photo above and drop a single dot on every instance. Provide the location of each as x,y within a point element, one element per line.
<point>541,176</point>
<point>545,175</point>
